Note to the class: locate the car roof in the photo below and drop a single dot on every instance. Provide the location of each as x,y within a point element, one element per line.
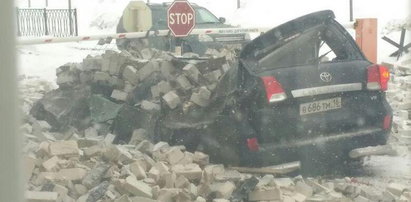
<point>167,4</point>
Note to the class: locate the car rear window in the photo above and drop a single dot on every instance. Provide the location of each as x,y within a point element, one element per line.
<point>310,47</point>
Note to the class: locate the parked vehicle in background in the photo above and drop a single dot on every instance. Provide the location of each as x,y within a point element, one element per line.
<point>156,16</point>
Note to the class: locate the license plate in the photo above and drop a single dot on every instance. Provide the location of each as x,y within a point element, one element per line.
<point>320,106</point>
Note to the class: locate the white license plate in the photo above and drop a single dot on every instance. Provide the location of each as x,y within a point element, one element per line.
<point>320,106</point>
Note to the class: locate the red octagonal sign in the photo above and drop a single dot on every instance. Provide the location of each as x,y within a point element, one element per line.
<point>181,18</point>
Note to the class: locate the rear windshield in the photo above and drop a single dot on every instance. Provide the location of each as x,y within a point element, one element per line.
<point>319,44</point>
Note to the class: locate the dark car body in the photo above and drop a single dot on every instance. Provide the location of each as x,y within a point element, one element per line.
<point>283,102</point>
<point>192,43</point>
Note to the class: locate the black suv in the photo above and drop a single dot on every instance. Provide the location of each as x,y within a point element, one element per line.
<point>192,43</point>
<point>301,91</point>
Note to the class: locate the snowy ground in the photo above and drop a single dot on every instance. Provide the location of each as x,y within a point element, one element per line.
<point>40,61</point>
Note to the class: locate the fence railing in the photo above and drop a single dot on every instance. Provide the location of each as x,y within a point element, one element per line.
<point>49,22</point>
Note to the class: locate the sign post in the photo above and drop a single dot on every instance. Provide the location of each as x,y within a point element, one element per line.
<point>181,18</point>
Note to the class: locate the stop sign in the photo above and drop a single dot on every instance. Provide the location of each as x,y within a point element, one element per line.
<point>181,18</point>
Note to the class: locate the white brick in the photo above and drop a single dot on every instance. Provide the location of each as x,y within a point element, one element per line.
<point>119,95</point>
<point>172,99</point>
<point>265,194</point>
<point>35,196</point>
<point>130,75</point>
<point>137,188</point>
<point>64,148</point>
<point>51,164</point>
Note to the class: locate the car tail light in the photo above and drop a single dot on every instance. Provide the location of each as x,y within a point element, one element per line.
<point>273,89</point>
<point>378,77</point>
<point>252,144</point>
<point>387,122</point>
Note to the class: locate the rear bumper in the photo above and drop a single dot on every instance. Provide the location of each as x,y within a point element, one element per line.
<point>330,146</point>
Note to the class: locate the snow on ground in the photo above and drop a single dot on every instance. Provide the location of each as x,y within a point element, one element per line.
<point>42,60</point>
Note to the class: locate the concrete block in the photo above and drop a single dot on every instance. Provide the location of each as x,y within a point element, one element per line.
<point>187,159</point>
<point>284,182</point>
<point>101,77</point>
<point>202,97</point>
<point>36,196</point>
<point>169,180</point>
<point>266,181</point>
<point>116,82</point>
<point>51,164</point>
<point>184,83</point>
<point>396,189</point>
<point>303,188</point>
<point>168,195</point>
<point>138,170</point>
<point>150,106</point>
<point>174,155</point>
<point>154,173</point>
<point>172,99</point>
<point>200,199</point>
<point>137,188</point>
<point>160,146</point>
<point>299,197</point>
<point>119,95</point>
<point>80,189</point>
<point>108,140</point>
<point>142,199</point>
<point>201,159</point>
<point>191,71</point>
<point>210,171</point>
<point>181,182</point>
<point>361,199</point>
<point>223,190</point>
<point>145,146</point>
<point>72,174</point>
<point>265,194</point>
<point>91,63</point>
<point>151,67</point>
<point>60,189</point>
<point>228,175</point>
<point>117,153</point>
<point>191,171</point>
<point>90,133</point>
<point>123,198</point>
<point>162,87</point>
<point>64,148</point>
<point>130,74</point>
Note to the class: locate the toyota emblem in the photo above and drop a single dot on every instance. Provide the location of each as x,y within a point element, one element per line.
<point>326,77</point>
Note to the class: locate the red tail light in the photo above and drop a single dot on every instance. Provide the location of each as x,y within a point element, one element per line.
<point>252,144</point>
<point>387,122</point>
<point>273,89</point>
<point>378,77</point>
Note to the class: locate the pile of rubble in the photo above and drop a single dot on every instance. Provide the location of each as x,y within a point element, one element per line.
<point>399,96</point>
<point>86,169</point>
<point>149,81</point>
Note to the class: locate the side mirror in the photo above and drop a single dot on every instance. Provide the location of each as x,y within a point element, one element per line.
<point>222,20</point>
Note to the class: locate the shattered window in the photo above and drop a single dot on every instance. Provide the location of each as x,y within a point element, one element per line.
<point>313,46</point>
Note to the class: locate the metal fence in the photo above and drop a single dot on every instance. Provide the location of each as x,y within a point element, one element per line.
<point>52,22</point>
